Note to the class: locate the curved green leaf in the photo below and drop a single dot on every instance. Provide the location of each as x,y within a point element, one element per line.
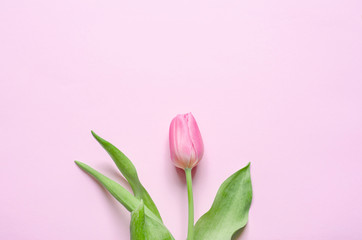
<point>120,193</point>
<point>230,209</point>
<point>137,226</point>
<point>129,172</point>
<point>145,228</point>
<point>154,228</point>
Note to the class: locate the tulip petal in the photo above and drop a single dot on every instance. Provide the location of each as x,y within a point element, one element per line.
<point>186,146</point>
<point>172,141</point>
<point>183,140</point>
<point>196,138</point>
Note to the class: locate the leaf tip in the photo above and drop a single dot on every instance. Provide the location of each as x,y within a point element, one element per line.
<point>94,134</point>
<point>79,164</point>
<point>98,138</point>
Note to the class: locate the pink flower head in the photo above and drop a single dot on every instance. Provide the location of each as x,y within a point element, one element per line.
<point>186,144</point>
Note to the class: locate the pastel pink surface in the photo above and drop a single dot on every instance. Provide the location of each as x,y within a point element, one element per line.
<point>276,83</point>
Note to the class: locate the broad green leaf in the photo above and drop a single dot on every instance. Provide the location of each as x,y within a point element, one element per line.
<point>137,226</point>
<point>230,209</point>
<point>144,228</point>
<point>129,172</point>
<point>155,230</point>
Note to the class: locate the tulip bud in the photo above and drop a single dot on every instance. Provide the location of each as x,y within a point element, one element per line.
<point>186,144</point>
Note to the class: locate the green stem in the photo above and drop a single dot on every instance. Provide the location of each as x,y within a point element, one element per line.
<point>190,234</point>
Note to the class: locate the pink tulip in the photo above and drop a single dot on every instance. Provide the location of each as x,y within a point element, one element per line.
<point>186,144</point>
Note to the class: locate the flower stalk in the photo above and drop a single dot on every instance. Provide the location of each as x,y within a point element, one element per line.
<point>190,232</point>
<point>187,149</point>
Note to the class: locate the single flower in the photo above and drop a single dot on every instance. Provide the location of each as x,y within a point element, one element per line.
<point>186,149</point>
<point>186,144</point>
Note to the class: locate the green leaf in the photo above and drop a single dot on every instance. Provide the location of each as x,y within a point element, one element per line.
<point>230,209</point>
<point>144,228</point>
<point>137,226</point>
<point>129,172</point>
<point>154,228</point>
<point>120,193</point>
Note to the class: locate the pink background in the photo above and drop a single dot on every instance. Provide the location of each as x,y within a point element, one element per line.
<point>277,83</point>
